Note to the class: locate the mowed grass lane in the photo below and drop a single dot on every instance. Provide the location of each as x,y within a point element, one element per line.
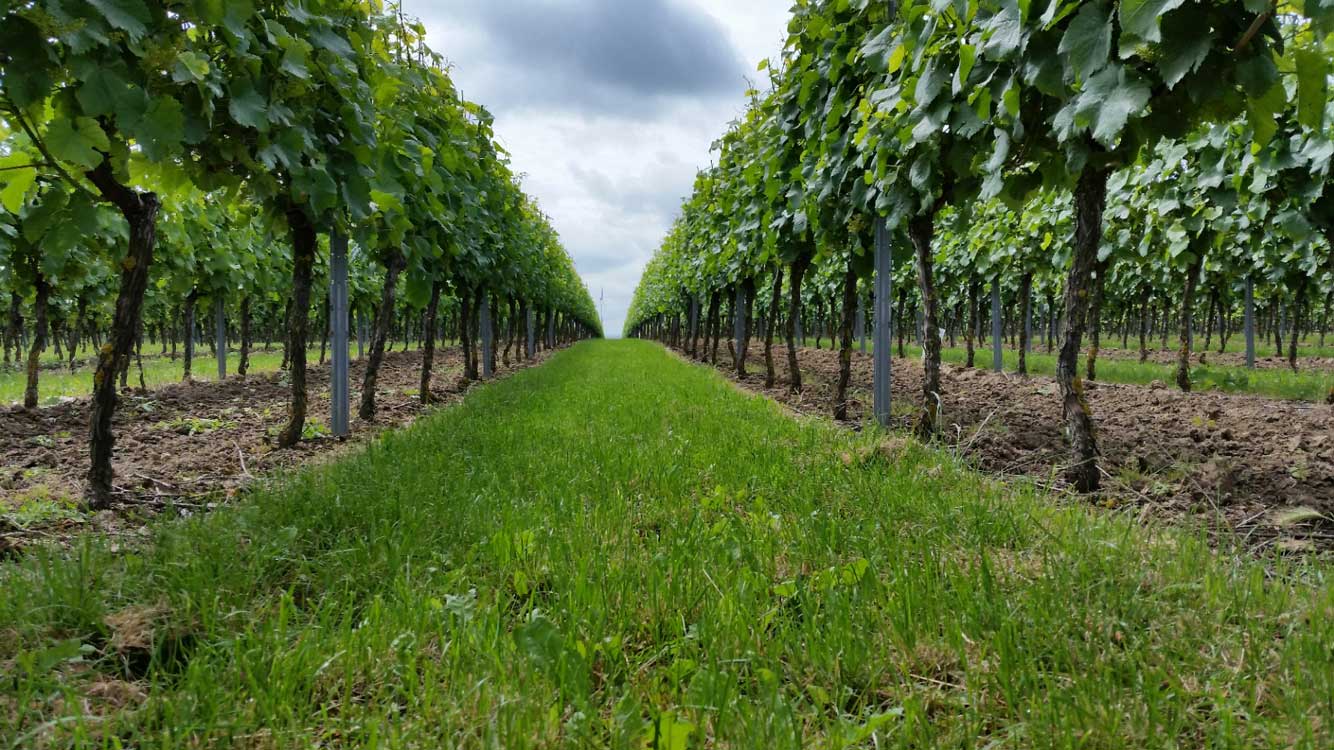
<point>619,549</point>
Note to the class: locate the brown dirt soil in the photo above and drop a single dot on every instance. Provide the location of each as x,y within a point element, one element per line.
<point>1230,463</point>
<point>189,446</point>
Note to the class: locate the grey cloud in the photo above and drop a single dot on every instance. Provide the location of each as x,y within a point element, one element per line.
<point>594,55</point>
<point>607,107</point>
<point>653,198</point>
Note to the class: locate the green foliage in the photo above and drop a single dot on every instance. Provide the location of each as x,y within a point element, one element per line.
<point>1213,118</point>
<point>235,115</point>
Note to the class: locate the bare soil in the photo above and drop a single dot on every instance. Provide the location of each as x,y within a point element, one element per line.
<point>1259,468</point>
<point>189,446</point>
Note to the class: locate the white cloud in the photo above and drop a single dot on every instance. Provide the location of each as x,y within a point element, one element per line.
<point>608,139</point>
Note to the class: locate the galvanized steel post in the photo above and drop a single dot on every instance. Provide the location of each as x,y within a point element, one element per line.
<point>1250,324</point>
<point>883,323</point>
<point>220,335</point>
<point>338,323</point>
<point>996,333</point>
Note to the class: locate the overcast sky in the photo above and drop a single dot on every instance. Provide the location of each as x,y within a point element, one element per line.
<point>607,107</point>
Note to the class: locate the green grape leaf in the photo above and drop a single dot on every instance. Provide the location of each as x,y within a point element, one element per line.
<point>162,129</point>
<point>1257,74</point>
<point>1312,86</point>
<point>78,141</point>
<point>1139,21</point>
<point>1004,32</point>
<point>417,289</point>
<point>100,91</point>
<point>967,57</point>
<point>1189,43</point>
<point>1087,42</point>
<point>1111,97</point>
<point>330,41</point>
<point>130,16</point>
<point>294,59</point>
<point>31,81</point>
<point>43,214</point>
<point>1261,113</point>
<point>15,184</point>
<point>190,66</point>
<point>248,107</point>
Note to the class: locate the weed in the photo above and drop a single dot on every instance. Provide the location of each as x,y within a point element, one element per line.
<point>194,425</point>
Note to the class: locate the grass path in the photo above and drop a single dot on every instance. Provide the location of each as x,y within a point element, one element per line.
<point>619,548</point>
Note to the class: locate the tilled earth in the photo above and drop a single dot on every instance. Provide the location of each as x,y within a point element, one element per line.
<point>1257,467</point>
<point>190,445</point>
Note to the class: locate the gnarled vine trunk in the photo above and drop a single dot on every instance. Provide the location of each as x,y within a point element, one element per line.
<point>1187,306</point>
<point>428,345</point>
<point>903,316</point>
<point>744,316</point>
<point>845,341</point>
<point>511,319</point>
<point>140,211</point>
<point>775,300</point>
<point>1026,294</point>
<point>243,367</point>
<point>795,274</point>
<point>15,325</point>
<point>42,290</point>
<point>467,311</point>
<point>1298,296</point>
<point>711,344</point>
<point>922,230</point>
<point>188,322</point>
<point>80,318</point>
<point>1144,325</point>
<point>970,336</point>
<point>384,318</point>
<point>304,244</point>
<point>493,334</point>
<point>1090,202</point>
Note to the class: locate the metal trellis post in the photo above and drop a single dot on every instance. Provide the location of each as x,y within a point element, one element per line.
<point>220,335</point>
<point>883,322</point>
<point>1250,324</point>
<point>996,334</point>
<point>338,322</point>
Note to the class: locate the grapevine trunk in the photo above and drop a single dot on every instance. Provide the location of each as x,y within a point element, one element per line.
<point>304,242</point>
<point>1090,202</point>
<point>428,346</point>
<point>795,274</point>
<point>384,318</point>
<point>921,231</point>
<point>140,211</point>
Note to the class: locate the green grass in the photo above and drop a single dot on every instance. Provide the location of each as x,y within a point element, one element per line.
<point>619,549</point>
<point>1304,385</point>
<point>1307,346</point>
<point>53,385</point>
